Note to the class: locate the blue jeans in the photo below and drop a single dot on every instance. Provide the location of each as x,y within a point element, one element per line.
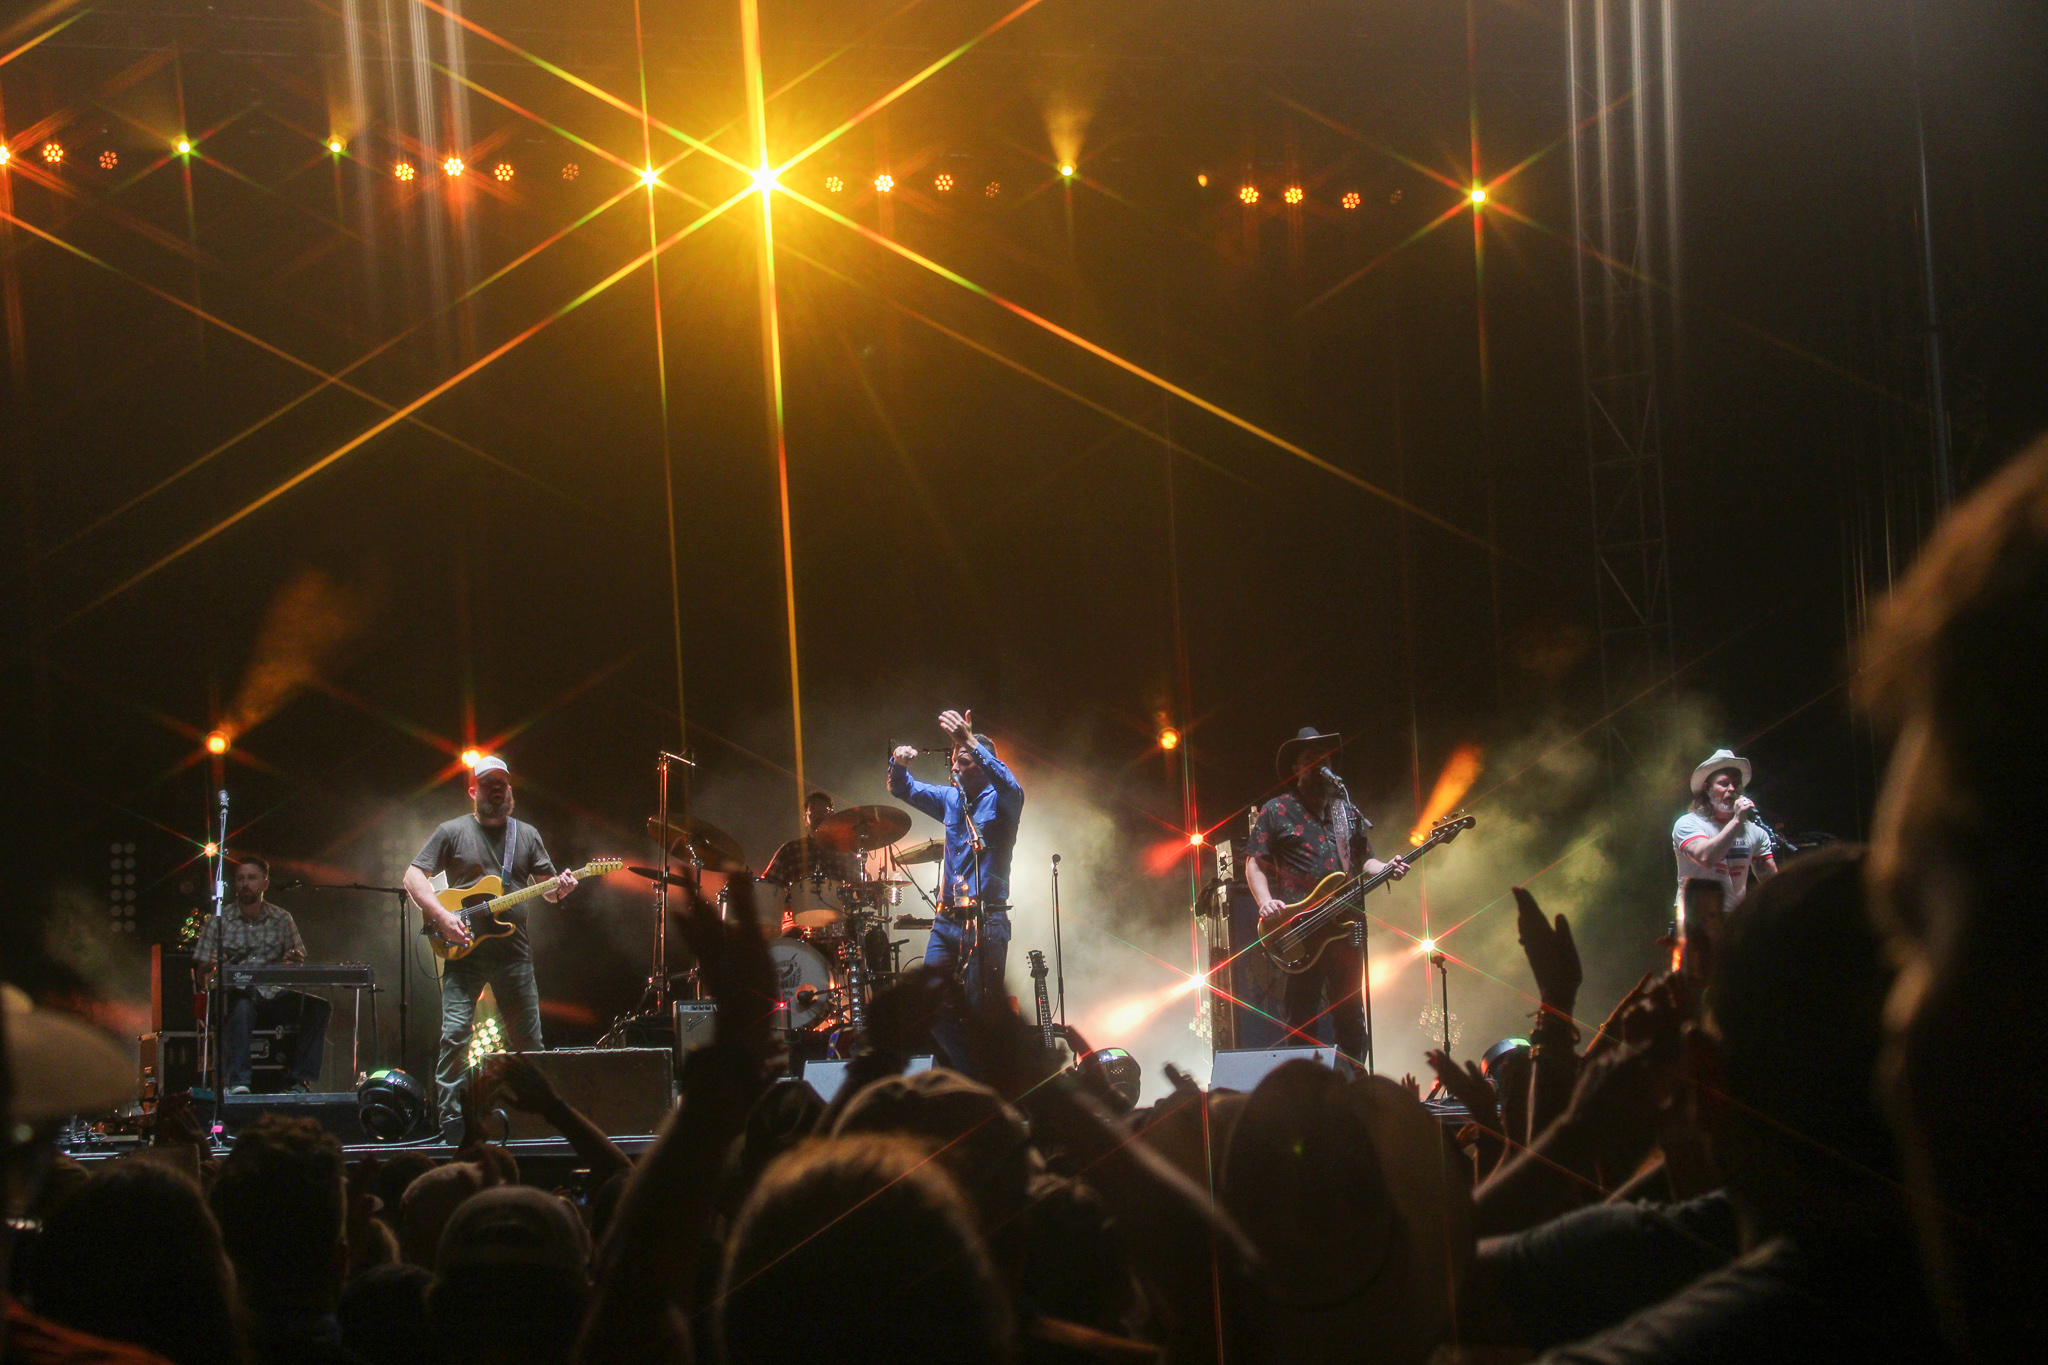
<point>247,1011</point>
<point>462,984</point>
<point>951,941</point>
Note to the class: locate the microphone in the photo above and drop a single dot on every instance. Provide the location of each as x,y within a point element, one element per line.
<point>223,799</point>
<point>1055,860</point>
<point>1329,776</point>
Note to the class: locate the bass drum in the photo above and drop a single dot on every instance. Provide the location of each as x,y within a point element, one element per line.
<point>803,982</point>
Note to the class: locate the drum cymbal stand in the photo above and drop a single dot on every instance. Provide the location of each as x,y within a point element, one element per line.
<point>651,1013</point>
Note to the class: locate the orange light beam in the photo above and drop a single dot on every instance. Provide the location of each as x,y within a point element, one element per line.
<point>1130,367</point>
<point>1460,770</point>
<point>585,86</point>
<point>398,415</point>
<point>50,32</point>
<point>905,88</point>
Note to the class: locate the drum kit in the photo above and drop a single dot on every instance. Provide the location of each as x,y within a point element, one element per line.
<point>830,913</point>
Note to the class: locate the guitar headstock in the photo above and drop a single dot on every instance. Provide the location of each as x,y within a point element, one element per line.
<point>1449,827</point>
<point>598,867</point>
<point>1038,967</point>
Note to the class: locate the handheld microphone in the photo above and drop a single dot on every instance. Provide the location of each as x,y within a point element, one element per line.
<point>1055,860</point>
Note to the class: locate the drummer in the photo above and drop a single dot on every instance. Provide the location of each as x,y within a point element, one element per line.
<point>806,859</point>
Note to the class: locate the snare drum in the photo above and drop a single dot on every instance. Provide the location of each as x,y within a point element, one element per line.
<point>814,901</point>
<point>804,982</point>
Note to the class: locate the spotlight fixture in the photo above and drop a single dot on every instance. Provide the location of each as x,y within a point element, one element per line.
<point>1067,169</point>
<point>833,184</point>
<point>884,183</point>
<point>53,152</point>
<point>211,849</point>
<point>569,172</point>
<point>1478,196</point>
<point>502,172</point>
<point>649,176</point>
<point>471,757</point>
<point>6,156</point>
<point>391,1104</point>
<point>992,189</point>
<point>183,146</point>
<point>1293,194</point>
<point>1248,194</point>
<point>1169,738</point>
<point>453,168</point>
<point>404,171</point>
<point>217,742</point>
<point>1195,839</point>
<point>336,145</point>
<point>1428,945</point>
<point>943,182</point>
<point>1351,200</point>
<point>108,160</point>
<point>764,178</point>
<point>1202,179</point>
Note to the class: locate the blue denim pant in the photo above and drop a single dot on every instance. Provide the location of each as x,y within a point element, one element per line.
<point>951,941</point>
<point>247,1011</point>
<point>462,984</point>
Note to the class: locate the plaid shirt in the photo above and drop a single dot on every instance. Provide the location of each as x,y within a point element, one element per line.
<point>273,937</point>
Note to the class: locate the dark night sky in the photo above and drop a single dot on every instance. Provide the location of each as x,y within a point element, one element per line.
<point>964,532</point>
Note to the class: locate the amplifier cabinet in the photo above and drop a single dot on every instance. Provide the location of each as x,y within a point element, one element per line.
<point>626,1091</point>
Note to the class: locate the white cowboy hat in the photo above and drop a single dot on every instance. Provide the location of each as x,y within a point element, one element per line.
<point>1721,758</point>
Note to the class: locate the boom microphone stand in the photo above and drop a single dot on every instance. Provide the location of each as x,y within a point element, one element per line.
<point>217,993</point>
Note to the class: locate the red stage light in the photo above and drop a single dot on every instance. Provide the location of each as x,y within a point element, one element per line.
<point>884,183</point>
<point>1195,839</point>
<point>502,172</point>
<point>943,182</point>
<point>1249,194</point>
<point>211,850</point>
<point>1293,195</point>
<point>833,184</point>
<point>53,152</point>
<point>217,743</point>
<point>1351,200</point>
<point>569,171</point>
<point>108,160</point>
<point>404,171</point>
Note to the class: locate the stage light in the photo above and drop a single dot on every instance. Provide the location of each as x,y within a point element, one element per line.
<point>502,172</point>
<point>5,156</point>
<point>403,170</point>
<point>1293,195</point>
<point>489,1038</point>
<point>1248,194</point>
<point>943,182</point>
<point>108,160</point>
<point>1427,945</point>
<point>453,168</point>
<point>211,850</point>
<point>1478,196</point>
<point>183,146</point>
<point>649,176</point>
<point>1169,738</point>
<point>335,145</point>
<point>764,178</point>
<point>569,171</point>
<point>53,152</point>
<point>833,184</point>
<point>884,183</point>
<point>992,189</point>
<point>1351,200</point>
<point>1067,169</point>
<point>1195,839</point>
<point>471,757</point>
<point>1394,198</point>
<point>217,743</point>
<point>1202,179</point>
<point>390,1104</point>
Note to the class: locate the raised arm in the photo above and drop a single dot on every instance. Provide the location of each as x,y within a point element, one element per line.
<point>919,796</point>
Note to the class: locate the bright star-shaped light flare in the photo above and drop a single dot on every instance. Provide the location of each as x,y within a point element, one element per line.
<point>765,178</point>
<point>649,177</point>
<point>1478,196</point>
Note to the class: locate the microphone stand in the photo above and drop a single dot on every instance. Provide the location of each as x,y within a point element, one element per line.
<point>217,996</point>
<point>1059,957</point>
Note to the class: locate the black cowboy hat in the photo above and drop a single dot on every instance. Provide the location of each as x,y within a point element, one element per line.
<point>1305,738</point>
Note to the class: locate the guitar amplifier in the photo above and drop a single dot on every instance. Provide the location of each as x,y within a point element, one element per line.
<point>1257,988</point>
<point>626,1091</point>
<point>170,990</point>
<point>695,1024</point>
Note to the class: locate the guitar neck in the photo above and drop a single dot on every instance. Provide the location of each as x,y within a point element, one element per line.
<point>525,893</point>
<point>1358,890</point>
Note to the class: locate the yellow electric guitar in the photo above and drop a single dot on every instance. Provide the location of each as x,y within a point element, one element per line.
<point>480,907</point>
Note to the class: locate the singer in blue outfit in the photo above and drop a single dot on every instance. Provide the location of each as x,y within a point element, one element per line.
<point>980,810</point>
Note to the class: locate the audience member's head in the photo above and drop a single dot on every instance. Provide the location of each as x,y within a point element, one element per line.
<point>1958,668</point>
<point>794,1287</point>
<point>429,1202</point>
<point>383,1314</point>
<point>1797,1002</point>
<point>283,1214</point>
<point>514,1279</point>
<point>395,1177</point>
<point>1362,1228</point>
<point>984,1143</point>
<point>133,1255</point>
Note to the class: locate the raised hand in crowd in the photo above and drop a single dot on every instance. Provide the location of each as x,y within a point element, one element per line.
<point>1467,1085</point>
<point>1553,956</point>
<point>515,1080</point>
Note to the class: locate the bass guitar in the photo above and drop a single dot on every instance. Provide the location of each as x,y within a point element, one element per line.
<point>481,907</point>
<point>1299,935</point>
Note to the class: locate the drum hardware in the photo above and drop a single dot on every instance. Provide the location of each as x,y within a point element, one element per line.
<point>664,878</point>
<point>698,843</point>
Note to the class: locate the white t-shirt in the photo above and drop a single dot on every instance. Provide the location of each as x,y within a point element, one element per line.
<point>1692,833</point>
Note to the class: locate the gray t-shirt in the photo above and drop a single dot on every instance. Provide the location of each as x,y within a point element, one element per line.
<point>1694,831</point>
<point>466,851</point>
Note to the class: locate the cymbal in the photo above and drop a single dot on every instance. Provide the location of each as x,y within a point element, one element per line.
<point>860,828</point>
<point>715,850</point>
<point>930,851</point>
<point>654,876</point>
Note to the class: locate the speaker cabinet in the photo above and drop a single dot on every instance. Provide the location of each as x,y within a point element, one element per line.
<point>626,1091</point>
<point>694,1024</point>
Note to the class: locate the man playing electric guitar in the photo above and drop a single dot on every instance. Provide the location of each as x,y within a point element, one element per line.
<point>1308,831</point>
<point>486,842</point>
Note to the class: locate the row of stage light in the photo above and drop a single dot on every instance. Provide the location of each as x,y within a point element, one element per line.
<point>944,182</point>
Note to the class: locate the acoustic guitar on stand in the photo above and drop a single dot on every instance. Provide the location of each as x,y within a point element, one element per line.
<point>1296,941</point>
<point>481,906</point>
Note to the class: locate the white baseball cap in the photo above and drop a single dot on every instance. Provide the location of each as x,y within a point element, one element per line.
<point>490,764</point>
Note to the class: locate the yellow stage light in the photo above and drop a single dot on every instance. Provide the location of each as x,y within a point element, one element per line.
<point>108,160</point>
<point>211,850</point>
<point>943,182</point>
<point>1351,200</point>
<point>833,184</point>
<point>1169,738</point>
<point>335,145</point>
<point>502,172</point>
<point>403,170</point>
<point>53,152</point>
<point>764,179</point>
<point>1202,179</point>
<point>1428,945</point>
<point>1067,169</point>
<point>569,171</point>
<point>471,757</point>
<point>453,168</point>
<point>216,743</point>
<point>183,146</point>
<point>884,183</point>
<point>1293,195</point>
<point>1249,194</point>
<point>649,176</point>
<point>1478,196</point>
<point>992,189</point>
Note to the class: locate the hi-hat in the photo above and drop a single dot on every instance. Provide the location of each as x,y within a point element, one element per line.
<point>930,851</point>
<point>700,843</point>
<point>860,828</point>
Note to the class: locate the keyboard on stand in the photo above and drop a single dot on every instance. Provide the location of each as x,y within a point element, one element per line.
<point>355,975</point>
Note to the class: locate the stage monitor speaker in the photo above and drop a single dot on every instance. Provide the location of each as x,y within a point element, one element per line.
<point>170,990</point>
<point>1244,1068</point>
<point>695,1021</point>
<point>827,1077</point>
<point>625,1091</point>
<point>337,1112</point>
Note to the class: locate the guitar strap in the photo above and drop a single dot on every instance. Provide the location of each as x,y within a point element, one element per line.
<point>511,844</point>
